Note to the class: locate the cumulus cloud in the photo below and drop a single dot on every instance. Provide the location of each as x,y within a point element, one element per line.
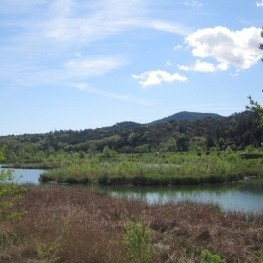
<point>199,66</point>
<point>259,4</point>
<point>228,48</point>
<point>153,78</point>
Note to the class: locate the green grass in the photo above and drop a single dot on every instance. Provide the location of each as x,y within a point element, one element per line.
<point>149,169</point>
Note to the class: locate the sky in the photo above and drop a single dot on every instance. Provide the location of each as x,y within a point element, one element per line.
<point>85,64</point>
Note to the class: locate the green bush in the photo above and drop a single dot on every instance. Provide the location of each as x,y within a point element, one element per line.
<point>208,257</point>
<point>10,194</point>
<point>137,240</point>
<point>48,253</point>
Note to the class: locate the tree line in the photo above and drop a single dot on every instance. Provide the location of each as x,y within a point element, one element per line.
<point>236,132</point>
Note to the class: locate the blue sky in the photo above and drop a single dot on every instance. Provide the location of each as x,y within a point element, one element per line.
<point>75,64</point>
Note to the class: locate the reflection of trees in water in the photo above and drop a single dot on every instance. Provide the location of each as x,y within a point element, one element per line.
<point>252,186</point>
<point>204,193</point>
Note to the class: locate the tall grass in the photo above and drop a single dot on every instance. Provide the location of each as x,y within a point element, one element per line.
<point>72,224</point>
<point>149,169</point>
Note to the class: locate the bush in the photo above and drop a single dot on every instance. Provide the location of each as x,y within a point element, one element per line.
<point>208,257</point>
<point>10,194</point>
<point>137,240</point>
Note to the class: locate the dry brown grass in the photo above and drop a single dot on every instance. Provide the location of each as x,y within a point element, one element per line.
<point>88,227</point>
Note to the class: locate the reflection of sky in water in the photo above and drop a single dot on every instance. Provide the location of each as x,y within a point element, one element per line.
<point>246,196</point>
<point>241,196</point>
<point>24,176</point>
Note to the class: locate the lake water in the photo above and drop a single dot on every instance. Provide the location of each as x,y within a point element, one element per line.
<point>241,196</point>
<point>244,196</point>
<point>24,176</point>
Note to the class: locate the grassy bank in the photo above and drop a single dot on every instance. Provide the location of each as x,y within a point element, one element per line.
<point>151,169</point>
<point>76,225</point>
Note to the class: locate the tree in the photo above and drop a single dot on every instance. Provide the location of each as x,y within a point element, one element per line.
<point>106,153</point>
<point>182,144</point>
<point>257,109</point>
<point>254,105</point>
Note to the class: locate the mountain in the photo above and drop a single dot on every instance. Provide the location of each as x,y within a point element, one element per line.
<point>187,116</point>
<point>197,131</point>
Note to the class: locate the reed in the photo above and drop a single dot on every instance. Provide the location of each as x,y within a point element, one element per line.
<point>148,169</point>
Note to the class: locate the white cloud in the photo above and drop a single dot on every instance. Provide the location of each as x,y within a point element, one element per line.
<point>89,67</point>
<point>168,64</point>
<point>178,47</point>
<point>124,97</point>
<point>102,19</point>
<point>77,69</point>
<point>229,48</point>
<point>193,3</point>
<point>199,66</point>
<point>174,28</point>
<point>153,78</point>
<point>203,66</point>
<point>259,4</point>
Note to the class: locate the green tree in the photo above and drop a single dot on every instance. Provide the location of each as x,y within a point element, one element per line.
<point>10,194</point>
<point>255,107</point>
<point>182,144</point>
<point>106,152</point>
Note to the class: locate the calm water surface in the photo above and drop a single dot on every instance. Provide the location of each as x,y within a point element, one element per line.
<point>24,176</point>
<point>242,196</point>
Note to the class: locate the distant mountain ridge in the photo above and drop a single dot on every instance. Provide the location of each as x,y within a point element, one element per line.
<point>187,116</point>
<point>182,131</point>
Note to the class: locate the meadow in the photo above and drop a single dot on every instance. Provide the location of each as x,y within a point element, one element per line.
<point>72,224</point>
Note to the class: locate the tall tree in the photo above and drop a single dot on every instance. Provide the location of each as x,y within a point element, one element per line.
<point>254,105</point>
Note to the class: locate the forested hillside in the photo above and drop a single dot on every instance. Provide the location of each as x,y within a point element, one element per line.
<point>189,116</point>
<point>233,133</point>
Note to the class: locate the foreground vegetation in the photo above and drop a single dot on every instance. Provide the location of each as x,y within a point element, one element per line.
<point>72,224</point>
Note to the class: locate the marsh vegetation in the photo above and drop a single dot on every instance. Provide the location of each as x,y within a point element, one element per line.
<point>155,169</point>
<point>65,224</point>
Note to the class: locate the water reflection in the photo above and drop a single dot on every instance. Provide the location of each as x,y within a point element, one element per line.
<point>25,176</point>
<point>244,196</point>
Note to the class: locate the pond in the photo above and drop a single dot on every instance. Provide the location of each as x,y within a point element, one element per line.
<point>241,196</point>
<point>24,176</point>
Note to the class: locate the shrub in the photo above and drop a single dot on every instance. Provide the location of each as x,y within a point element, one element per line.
<point>208,257</point>
<point>10,194</point>
<point>48,253</point>
<point>137,240</point>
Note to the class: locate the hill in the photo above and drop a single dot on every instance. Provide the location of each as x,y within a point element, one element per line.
<point>187,116</point>
<point>181,132</point>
